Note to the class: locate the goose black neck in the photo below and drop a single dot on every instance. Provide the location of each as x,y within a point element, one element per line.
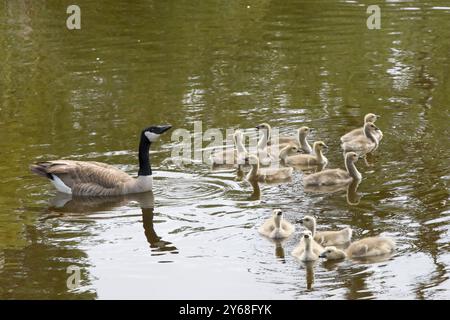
<point>144,157</point>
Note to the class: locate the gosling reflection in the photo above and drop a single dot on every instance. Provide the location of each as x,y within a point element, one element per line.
<point>353,198</point>
<point>310,277</point>
<point>279,250</point>
<point>66,205</point>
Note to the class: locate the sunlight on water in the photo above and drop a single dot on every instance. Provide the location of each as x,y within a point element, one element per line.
<point>86,95</point>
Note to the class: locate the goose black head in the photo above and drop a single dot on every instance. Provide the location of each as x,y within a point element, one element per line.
<point>153,132</point>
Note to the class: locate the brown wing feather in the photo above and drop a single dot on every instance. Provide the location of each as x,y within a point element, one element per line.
<point>73,173</point>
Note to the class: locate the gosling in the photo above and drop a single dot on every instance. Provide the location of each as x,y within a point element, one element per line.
<point>308,254</point>
<point>355,133</point>
<point>327,238</point>
<point>257,174</point>
<point>334,177</point>
<point>300,140</point>
<point>365,143</point>
<point>276,227</point>
<point>316,248</point>
<point>264,155</point>
<point>306,159</point>
<point>231,156</point>
<point>367,247</point>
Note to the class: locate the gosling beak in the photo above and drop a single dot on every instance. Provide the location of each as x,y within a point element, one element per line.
<point>378,116</point>
<point>322,255</point>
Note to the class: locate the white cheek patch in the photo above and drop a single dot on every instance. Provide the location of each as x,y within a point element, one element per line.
<point>152,137</point>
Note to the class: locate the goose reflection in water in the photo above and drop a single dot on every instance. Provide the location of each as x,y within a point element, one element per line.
<point>67,205</point>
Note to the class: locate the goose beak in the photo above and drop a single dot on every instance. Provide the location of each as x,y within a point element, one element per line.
<point>163,128</point>
<point>322,255</point>
<point>325,146</point>
<point>378,116</point>
<point>258,127</point>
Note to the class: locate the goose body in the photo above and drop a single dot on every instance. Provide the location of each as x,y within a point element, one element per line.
<point>359,132</point>
<point>306,159</point>
<point>90,178</point>
<point>327,238</point>
<point>257,174</point>
<point>308,249</point>
<point>333,177</point>
<point>365,143</point>
<point>367,247</point>
<point>276,227</point>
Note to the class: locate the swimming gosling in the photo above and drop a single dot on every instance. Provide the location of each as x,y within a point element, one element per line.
<point>327,238</point>
<point>365,143</point>
<point>276,227</point>
<point>308,254</point>
<point>306,159</point>
<point>300,140</point>
<point>367,247</point>
<point>266,174</point>
<point>332,177</point>
<point>231,156</point>
<point>355,133</point>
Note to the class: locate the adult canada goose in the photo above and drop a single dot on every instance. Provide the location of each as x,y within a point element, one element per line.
<point>355,133</point>
<point>89,178</point>
<point>308,254</point>
<point>306,159</point>
<point>300,248</point>
<point>276,227</point>
<point>331,177</point>
<point>367,247</point>
<point>231,156</point>
<point>300,140</point>
<point>365,143</point>
<point>266,174</point>
<point>327,238</point>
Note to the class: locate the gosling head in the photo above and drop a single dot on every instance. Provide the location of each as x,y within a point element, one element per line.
<point>308,222</point>
<point>352,156</point>
<point>293,149</point>
<point>263,126</point>
<point>371,127</point>
<point>152,133</point>
<point>332,253</point>
<point>251,159</point>
<point>304,131</point>
<point>307,235</point>
<point>319,145</point>
<point>277,215</point>
<point>371,117</point>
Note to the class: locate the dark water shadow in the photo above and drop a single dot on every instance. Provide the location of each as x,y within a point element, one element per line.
<point>63,205</point>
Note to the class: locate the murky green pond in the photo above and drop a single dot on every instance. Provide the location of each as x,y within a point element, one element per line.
<point>86,94</point>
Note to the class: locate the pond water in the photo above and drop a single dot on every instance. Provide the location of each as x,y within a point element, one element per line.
<point>86,94</point>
